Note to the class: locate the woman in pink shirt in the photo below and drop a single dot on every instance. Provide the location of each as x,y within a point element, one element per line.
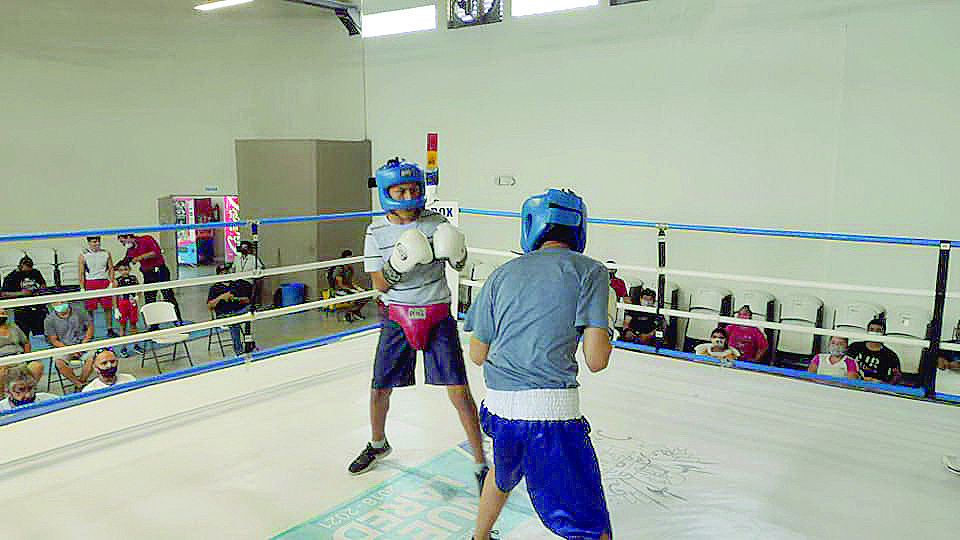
<point>749,340</point>
<point>836,363</point>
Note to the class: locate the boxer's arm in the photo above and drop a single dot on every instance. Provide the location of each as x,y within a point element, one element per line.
<point>379,282</point>
<point>478,351</point>
<point>596,348</point>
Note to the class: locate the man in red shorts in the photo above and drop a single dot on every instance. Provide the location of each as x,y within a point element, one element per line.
<point>96,272</point>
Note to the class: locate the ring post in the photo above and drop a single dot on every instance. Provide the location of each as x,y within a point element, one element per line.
<point>928,361</point>
<point>661,278</point>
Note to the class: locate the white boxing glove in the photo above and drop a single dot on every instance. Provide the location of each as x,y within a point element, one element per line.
<point>412,248</point>
<point>449,244</point>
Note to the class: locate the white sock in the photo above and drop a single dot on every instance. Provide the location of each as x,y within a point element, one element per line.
<point>379,444</point>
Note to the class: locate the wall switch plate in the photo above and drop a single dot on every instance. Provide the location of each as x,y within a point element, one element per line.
<point>506,180</point>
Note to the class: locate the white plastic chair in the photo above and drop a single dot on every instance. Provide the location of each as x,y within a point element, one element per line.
<point>908,322</point>
<point>67,265</point>
<point>709,301</point>
<point>159,313</point>
<point>855,316</point>
<point>798,310</point>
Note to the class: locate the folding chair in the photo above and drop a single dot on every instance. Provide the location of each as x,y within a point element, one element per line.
<point>159,313</point>
<point>215,331</point>
<point>908,322</point>
<point>709,301</point>
<point>794,349</point>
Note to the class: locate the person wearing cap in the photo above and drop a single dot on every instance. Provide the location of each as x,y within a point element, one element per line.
<point>617,284</point>
<point>22,282</point>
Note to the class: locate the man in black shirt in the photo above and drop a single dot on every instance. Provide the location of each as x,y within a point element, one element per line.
<point>22,282</point>
<point>641,326</point>
<point>876,362</point>
<point>232,298</point>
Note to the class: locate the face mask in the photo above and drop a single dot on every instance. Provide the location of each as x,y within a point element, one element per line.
<point>837,350</point>
<point>718,343</point>
<point>16,402</point>
<point>743,316</point>
<point>61,308</point>
<point>108,373</point>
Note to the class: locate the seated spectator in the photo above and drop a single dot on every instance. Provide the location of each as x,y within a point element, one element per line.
<point>127,305</point>
<point>876,361</point>
<point>641,326</point>
<point>13,341</point>
<point>231,298</point>
<point>836,363</point>
<point>948,360</point>
<point>616,283</point>
<point>66,326</point>
<point>343,281</point>
<point>105,362</point>
<point>20,388</point>
<point>749,340</point>
<point>718,347</point>
<point>22,282</point>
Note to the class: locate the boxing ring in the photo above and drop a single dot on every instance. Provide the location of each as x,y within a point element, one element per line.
<point>257,446</point>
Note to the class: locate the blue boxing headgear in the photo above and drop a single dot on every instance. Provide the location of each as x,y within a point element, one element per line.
<point>397,172</point>
<point>555,207</point>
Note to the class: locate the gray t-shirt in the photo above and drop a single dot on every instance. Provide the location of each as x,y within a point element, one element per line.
<point>424,285</point>
<point>13,343</point>
<point>70,329</point>
<point>532,311</point>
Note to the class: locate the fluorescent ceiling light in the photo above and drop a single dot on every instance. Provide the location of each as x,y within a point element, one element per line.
<point>221,4</point>
<point>399,21</point>
<point>519,8</point>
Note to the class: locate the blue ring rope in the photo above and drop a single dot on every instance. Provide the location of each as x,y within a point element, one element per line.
<point>36,409</point>
<point>737,230</point>
<point>785,372</point>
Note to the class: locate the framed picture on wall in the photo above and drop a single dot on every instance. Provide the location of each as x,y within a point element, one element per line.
<point>474,12</point>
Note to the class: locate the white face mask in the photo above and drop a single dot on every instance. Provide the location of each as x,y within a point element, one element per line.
<point>837,350</point>
<point>718,343</point>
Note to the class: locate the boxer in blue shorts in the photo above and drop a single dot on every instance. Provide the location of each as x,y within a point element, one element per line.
<point>404,252</point>
<point>527,322</point>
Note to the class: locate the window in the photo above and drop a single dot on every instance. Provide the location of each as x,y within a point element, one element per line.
<point>536,7</point>
<point>474,12</point>
<point>399,21</point>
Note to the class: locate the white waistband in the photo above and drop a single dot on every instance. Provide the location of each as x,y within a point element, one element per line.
<point>539,404</point>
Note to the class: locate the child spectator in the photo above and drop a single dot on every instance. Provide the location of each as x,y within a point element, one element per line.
<point>127,306</point>
<point>835,363</point>
<point>106,365</point>
<point>876,361</point>
<point>14,341</point>
<point>96,272</point>
<point>146,251</point>
<point>20,388</point>
<point>641,326</point>
<point>749,340</point>
<point>343,281</point>
<point>718,347</point>
<point>22,282</point>
<point>67,326</point>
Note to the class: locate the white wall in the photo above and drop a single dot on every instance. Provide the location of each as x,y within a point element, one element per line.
<point>823,115</point>
<point>109,104</point>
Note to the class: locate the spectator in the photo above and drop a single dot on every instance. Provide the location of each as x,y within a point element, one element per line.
<point>127,306</point>
<point>22,282</point>
<point>876,361</point>
<point>718,347</point>
<point>96,272</point>
<point>948,360</point>
<point>145,250</point>
<point>231,298</point>
<point>106,365</point>
<point>836,363</point>
<point>13,341</point>
<point>66,326</point>
<point>641,326</point>
<point>616,283</point>
<point>248,261</point>
<point>343,281</point>
<point>749,340</point>
<point>20,387</point>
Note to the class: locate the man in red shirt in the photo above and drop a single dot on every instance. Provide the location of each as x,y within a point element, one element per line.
<point>616,283</point>
<point>145,250</point>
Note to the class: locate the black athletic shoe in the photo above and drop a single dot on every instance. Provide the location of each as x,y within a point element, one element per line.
<point>368,457</point>
<point>111,333</point>
<point>123,352</point>
<point>481,476</point>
